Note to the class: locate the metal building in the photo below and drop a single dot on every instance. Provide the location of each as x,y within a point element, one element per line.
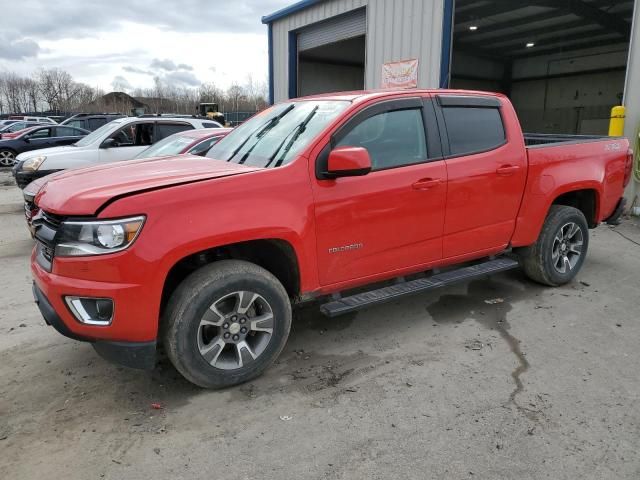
<point>563,63</point>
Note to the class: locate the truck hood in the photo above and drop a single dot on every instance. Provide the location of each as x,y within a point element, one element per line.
<point>84,191</point>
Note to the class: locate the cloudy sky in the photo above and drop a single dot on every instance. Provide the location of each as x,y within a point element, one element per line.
<point>127,42</point>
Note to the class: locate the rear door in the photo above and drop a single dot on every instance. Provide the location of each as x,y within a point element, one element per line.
<point>391,218</point>
<point>165,129</point>
<point>486,166</point>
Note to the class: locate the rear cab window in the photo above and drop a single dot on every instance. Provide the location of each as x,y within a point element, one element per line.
<point>473,124</point>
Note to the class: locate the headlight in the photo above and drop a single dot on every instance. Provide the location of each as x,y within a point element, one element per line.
<point>97,237</point>
<point>34,163</point>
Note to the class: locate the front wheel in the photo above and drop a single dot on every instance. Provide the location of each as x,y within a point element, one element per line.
<point>7,157</point>
<point>558,254</point>
<point>226,323</point>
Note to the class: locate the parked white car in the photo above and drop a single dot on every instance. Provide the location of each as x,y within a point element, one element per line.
<point>120,139</point>
<point>27,118</point>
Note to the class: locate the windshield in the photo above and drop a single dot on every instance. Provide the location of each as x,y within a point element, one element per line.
<point>14,127</point>
<point>98,134</point>
<point>173,145</point>
<point>274,137</point>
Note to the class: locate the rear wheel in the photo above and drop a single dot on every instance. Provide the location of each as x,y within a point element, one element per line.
<point>7,157</point>
<point>558,254</point>
<point>226,323</point>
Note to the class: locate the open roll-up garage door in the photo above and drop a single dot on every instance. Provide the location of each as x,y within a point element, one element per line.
<point>331,54</point>
<point>562,62</point>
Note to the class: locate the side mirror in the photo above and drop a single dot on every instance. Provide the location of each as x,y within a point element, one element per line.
<point>109,143</point>
<point>348,162</point>
<point>27,138</point>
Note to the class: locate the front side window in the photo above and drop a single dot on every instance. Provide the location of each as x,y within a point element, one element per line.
<point>99,134</point>
<point>134,135</point>
<point>393,139</point>
<point>473,129</point>
<point>40,133</point>
<point>275,136</point>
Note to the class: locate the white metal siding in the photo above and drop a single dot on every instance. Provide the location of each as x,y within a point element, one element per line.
<point>396,30</point>
<point>402,30</point>
<point>632,94</point>
<point>342,27</point>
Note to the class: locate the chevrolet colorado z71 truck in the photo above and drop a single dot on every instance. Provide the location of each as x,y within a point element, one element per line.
<point>391,193</point>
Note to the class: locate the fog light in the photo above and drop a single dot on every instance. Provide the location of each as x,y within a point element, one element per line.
<point>91,311</point>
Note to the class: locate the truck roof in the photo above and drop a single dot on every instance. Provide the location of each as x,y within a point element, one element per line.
<point>363,95</point>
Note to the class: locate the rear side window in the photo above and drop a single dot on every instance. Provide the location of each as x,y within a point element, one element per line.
<point>166,129</point>
<point>95,123</point>
<point>473,129</point>
<point>393,139</point>
<point>210,125</point>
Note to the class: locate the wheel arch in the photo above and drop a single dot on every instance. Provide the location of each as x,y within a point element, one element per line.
<point>587,200</point>
<point>585,196</point>
<point>275,255</point>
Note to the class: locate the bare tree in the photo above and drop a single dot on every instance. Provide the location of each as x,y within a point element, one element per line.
<point>33,92</point>
<point>235,93</point>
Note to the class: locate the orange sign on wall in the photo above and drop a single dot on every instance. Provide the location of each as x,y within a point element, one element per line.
<point>402,74</point>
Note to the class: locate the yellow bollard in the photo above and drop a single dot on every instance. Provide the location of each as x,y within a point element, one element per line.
<point>616,125</point>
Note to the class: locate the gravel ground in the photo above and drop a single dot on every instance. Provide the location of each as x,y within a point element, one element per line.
<point>441,385</point>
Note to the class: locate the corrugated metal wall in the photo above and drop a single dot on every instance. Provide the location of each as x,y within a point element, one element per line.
<point>396,30</point>
<point>402,30</point>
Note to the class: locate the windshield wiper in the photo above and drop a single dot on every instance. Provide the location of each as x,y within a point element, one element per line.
<point>261,132</point>
<point>297,131</point>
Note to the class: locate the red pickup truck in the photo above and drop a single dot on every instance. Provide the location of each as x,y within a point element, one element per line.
<point>391,193</point>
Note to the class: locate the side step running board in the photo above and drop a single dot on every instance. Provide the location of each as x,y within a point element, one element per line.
<point>392,292</point>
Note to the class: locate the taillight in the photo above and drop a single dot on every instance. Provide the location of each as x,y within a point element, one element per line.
<point>628,168</point>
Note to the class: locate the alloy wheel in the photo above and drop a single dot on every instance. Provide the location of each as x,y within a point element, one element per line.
<point>7,158</point>
<point>567,247</point>
<point>235,330</point>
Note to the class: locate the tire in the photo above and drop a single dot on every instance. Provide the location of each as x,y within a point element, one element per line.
<point>216,327</point>
<point>558,254</point>
<point>7,157</point>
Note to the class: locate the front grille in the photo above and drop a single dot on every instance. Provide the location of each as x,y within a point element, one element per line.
<point>52,220</point>
<point>46,226</point>
<point>47,252</point>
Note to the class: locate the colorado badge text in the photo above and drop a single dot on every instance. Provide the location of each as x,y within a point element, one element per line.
<point>346,248</point>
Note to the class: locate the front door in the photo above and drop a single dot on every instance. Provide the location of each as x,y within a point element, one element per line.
<point>392,218</point>
<point>41,138</point>
<point>130,140</point>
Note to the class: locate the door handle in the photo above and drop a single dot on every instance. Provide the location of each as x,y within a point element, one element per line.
<point>426,183</point>
<point>506,170</point>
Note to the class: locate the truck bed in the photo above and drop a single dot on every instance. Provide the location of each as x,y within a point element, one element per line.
<point>533,140</point>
